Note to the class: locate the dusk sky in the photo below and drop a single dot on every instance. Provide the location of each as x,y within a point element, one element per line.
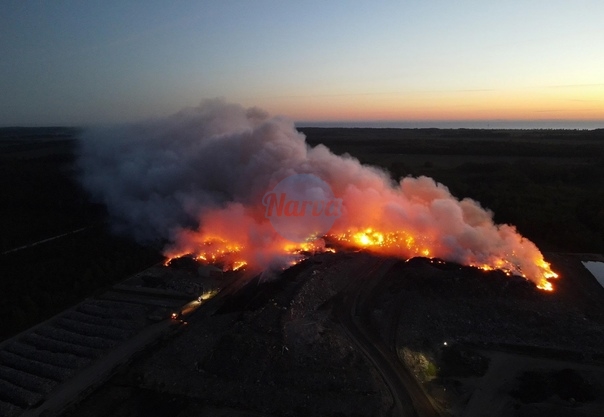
<point>88,62</point>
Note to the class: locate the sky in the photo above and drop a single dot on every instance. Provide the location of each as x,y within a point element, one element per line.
<point>97,62</point>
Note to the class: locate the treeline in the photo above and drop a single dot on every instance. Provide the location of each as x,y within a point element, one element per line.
<point>479,142</point>
<point>455,146</point>
<point>20,133</point>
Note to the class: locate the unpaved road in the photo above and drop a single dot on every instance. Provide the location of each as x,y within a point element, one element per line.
<point>409,398</point>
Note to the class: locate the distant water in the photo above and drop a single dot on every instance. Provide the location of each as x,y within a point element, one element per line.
<point>596,269</point>
<point>481,124</point>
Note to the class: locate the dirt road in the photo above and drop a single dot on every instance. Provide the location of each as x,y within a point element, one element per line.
<point>409,398</point>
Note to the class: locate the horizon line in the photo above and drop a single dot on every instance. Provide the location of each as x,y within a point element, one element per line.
<point>563,124</point>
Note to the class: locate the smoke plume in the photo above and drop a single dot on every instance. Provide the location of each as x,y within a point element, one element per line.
<point>201,173</point>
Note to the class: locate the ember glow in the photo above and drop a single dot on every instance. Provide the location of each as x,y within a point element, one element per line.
<point>399,244</point>
<point>197,180</point>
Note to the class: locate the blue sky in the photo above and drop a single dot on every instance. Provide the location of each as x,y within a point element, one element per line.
<point>83,62</point>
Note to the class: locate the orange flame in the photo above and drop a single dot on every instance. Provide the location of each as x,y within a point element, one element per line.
<point>216,250</point>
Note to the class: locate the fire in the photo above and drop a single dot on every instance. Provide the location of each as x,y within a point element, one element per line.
<point>368,237</point>
<point>231,255</point>
<point>396,243</point>
<point>548,274</point>
<point>238,265</point>
<point>212,249</point>
<point>510,269</point>
<point>399,243</point>
<point>303,247</point>
<point>216,192</point>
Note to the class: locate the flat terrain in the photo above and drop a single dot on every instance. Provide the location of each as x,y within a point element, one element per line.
<point>344,334</point>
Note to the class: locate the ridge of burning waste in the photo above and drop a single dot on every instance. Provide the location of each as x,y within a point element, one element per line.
<point>229,255</point>
<point>197,179</point>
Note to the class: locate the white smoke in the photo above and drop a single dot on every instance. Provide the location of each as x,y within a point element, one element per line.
<point>160,175</point>
<point>208,167</point>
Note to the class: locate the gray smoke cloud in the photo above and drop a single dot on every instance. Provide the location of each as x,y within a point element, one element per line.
<point>160,175</point>
<point>204,170</point>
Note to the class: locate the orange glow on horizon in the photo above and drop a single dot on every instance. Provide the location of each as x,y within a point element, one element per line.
<point>580,103</point>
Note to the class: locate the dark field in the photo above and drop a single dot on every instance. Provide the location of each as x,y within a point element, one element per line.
<point>41,199</point>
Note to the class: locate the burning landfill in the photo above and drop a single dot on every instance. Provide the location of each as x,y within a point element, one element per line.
<point>199,180</point>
